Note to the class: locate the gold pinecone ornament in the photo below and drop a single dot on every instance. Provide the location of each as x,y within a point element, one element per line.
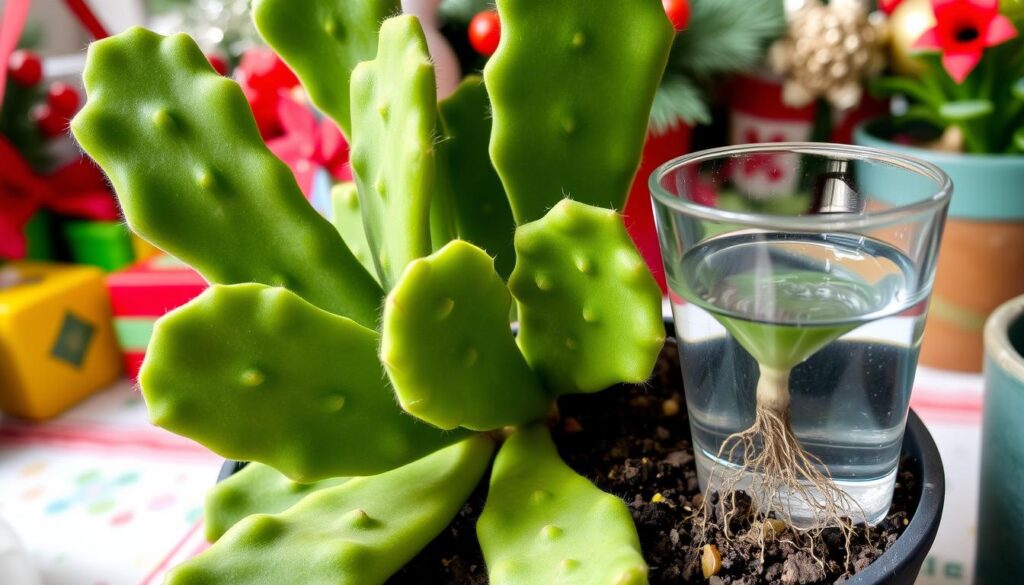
<point>829,51</point>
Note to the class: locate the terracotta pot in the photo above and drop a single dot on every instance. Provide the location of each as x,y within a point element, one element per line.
<point>981,264</point>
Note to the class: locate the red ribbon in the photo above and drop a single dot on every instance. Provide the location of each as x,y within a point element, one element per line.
<point>78,189</point>
<point>308,144</point>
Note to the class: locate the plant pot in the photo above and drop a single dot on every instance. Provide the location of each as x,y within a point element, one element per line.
<point>982,257</point>
<point>902,562</point>
<point>1001,501</point>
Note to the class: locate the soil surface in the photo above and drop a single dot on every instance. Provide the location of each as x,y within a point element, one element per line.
<point>634,441</point>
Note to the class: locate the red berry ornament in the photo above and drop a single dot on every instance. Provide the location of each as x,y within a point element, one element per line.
<point>218,63</point>
<point>678,11</point>
<point>25,68</point>
<point>62,98</point>
<point>50,123</point>
<point>485,32</point>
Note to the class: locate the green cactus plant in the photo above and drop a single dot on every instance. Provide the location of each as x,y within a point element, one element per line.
<point>542,521</point>
<point>552,138</point>
<point>327,390</point>
<point>394,116</point>
<point>256,489</point>
<point>251,343</point>
<point>347,217</point>
<point>481,211</point>
<point>322,43</point>
<point>236,215</point>
<point>475,377</point>
<point>355,533</point>
<point>582,290</point>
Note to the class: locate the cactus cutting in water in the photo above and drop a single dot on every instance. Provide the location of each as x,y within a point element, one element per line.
<point>391,409</point>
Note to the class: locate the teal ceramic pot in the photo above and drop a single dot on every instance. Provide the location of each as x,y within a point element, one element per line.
<point>1000,557</point>
<point>982,257</point>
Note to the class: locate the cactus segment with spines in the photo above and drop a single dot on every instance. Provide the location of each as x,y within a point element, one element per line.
<point>193,176</point>
<point>481,209</point>
<point>256,489</point>
<point>347,217</point>
<point>322,41</point>
<point>543,523</point>
<point>571,87</point>
<point>589,309</point>
<point>448,349</point>
<point>394,116</point>
<point>358,533</point>
<point>257,374</point>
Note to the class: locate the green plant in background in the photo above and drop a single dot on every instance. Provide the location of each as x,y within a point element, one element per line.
<point>391,417</point>
<point>972,81</point>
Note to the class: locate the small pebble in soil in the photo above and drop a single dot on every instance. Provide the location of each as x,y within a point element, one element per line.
<point>634,441</point>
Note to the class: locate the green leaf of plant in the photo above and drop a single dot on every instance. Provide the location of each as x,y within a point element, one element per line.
<point>1018,140</point>
<point>912,88</point>
<point>1018,89</point>
<point>965,110</point>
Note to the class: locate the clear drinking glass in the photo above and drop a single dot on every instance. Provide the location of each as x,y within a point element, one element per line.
<point>799,277</point>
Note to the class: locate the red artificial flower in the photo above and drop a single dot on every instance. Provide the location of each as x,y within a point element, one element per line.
<point>308,144</point>
<point>963,30</point>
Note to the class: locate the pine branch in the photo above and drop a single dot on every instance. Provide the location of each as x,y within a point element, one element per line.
<point>726,36</point>
<point>677,101</point>
<point>463,10</point>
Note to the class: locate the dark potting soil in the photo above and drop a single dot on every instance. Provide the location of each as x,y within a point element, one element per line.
<point>634,442</point>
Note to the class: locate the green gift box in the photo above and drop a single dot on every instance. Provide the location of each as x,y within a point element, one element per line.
<point>105,244</point>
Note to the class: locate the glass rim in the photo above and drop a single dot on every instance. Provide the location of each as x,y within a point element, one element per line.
<point>838,221</point>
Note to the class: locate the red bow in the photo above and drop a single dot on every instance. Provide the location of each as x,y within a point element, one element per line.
<point>308,144</point>
<point>77,189</point>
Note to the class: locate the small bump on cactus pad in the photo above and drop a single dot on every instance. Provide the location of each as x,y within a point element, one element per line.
<point>193,176</point>
<point>322,41</point>
<point>482,213</point>
<point>542,523</point>
<point>571,88</point>
<point>358,533</point>
<point>589,309</point>
<point>256,489</point>
<point>348,220</point>
<point>448,348</point>
<point>394,113</point>
<point>258,374</point>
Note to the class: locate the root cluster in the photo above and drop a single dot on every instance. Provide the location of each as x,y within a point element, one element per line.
<point>787,477</point>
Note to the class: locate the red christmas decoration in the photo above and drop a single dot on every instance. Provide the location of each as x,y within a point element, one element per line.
<point>963,30</point>
<point>485,32</point>
<point>78,190</point>
<point>308,144</point>
<point>25,68</point>
<point>263,75</point>
<point>218,63</point>
<point>63,98</point>
<point>678,11</point>
<point>50,123</point>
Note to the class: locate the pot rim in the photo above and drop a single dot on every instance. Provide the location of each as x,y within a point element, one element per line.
<point>902,562</point>
<point>998,346</point>
<point>822,222</point>
<point>867,129</point>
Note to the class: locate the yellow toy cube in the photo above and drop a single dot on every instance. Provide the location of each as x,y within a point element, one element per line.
<point>57,342</point>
